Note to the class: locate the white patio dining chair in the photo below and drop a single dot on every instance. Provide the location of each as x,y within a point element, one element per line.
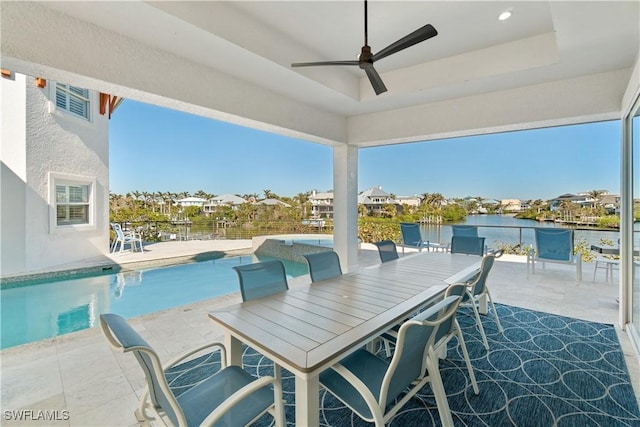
<point>467,245</point>
<point>449,328</point>
<point>376,389</point>
<point>387,250</point>
<point>323,265</point>
<point>464,230</point>
<point>261,279</point>
<point>229,396</point>
<point>122,238</point>
<point>477,289</point>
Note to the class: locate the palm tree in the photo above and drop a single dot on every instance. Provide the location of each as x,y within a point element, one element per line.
<point>202,194</point>
<point>567,207</point>
<point>595,195</point>
<point>136,196</point>
<point>114,202</point>
<point>146,198</point>
<point>268,194</point>
<point>303,200</point>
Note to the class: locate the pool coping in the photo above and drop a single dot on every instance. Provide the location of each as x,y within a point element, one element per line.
<point>111,266</point>
<point>109,263</point>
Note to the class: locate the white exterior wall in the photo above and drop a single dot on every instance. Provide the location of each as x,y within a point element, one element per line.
<point>13,173</point>
<point>52,142</point>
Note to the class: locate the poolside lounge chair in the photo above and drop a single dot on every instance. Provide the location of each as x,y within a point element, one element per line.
<point>387,250</point>
<point>323,265</point>
<point>412,238</point>
<point>554,245</point>
<point>230,396</point>
<point>261,279</point>
<point>467,245</point>
<point>122,238</point>
<point>376,389</point>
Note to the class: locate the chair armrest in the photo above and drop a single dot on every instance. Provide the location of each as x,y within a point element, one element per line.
<point>496,254</point>
<point>236,398</point>
<point>359,385</point>
<point>180,358</point>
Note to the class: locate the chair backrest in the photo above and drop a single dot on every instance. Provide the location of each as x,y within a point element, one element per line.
<point>323,265</point>
<point>414,337</point>
<point>465,230</point>
<point>261,279</point>
<point>447,326</point>
<point>479,284</point>
<point>411,235</point>
<point>387,250</point>
<point>467,245</point>
<point>554,244</point>
<point>118,230</point>
<point>123,337</point>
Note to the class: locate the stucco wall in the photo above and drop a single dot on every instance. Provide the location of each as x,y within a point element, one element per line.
<point>57,142</point>
<point>13,171</point>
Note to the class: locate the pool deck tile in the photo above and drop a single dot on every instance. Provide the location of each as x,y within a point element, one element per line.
<point>99,387</point>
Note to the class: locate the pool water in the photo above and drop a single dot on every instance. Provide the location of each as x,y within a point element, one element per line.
<point>33,312</point>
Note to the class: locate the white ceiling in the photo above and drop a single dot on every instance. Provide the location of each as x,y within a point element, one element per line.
<point>473,55</point>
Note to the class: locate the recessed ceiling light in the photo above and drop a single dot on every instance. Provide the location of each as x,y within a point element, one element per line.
<point>504,15</point>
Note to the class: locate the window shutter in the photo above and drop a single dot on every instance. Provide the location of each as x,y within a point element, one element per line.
<point>73,99</point>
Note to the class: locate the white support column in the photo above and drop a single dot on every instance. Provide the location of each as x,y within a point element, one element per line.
<point>345,205</point>
<point>626,222</point>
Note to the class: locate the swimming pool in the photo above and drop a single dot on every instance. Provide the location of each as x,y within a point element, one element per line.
<point>33,312</point>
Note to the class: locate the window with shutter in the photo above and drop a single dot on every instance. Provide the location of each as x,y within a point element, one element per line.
<point>72,204</point>
<point>73,99</point>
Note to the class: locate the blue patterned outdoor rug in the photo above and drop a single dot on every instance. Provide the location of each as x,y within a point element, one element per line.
<point>545,370</point>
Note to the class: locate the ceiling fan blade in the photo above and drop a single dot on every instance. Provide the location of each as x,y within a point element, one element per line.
<point>419,35</point>
<point>313,64</point>
<point>374,78</point>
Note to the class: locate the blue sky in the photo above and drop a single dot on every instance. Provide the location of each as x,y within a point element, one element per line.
<point>156,149</point>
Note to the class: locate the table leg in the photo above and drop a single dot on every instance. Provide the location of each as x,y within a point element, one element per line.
<point>234,350</point>
<point>482,306</point>
<point>307,404</point>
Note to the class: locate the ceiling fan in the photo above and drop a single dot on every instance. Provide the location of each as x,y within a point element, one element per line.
<point>366,58</point>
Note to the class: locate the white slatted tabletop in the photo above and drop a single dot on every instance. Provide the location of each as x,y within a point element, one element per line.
<point>309,328</point>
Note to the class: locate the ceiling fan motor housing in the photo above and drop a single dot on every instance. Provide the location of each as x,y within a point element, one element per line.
<point>365,57</point>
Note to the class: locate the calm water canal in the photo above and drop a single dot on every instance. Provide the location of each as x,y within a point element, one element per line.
<point>507,229</point>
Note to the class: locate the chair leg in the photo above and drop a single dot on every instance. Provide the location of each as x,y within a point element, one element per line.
<point>438,390</point>
<point>579,268</point>
<point>387,348</point>
<point>465,353</point>
<point>140,413</point>
<point>479,323</point>
<point>495,312</point>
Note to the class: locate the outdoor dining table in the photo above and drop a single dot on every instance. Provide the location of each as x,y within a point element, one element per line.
<point>309,328</point>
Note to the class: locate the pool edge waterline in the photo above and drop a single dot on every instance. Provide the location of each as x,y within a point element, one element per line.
<point>74,302</point>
